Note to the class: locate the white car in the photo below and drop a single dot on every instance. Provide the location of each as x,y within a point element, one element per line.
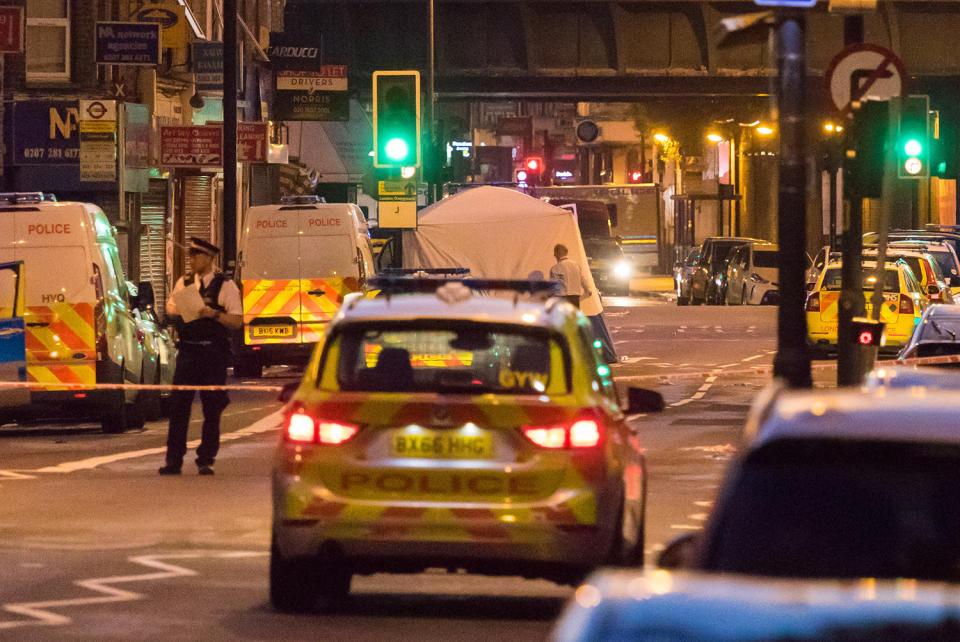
<point>752,275</point>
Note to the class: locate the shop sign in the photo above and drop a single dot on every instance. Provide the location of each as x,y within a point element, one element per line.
<point>45,132</point>
<point>199,146</point>
<point>98,140</point>
<point>171,17</point>
<point>127,43</point>
<point>306,88</point>
<point>136,136</point>
<point>11,29</point>
<point>252,142</point>
<point>208,67</point>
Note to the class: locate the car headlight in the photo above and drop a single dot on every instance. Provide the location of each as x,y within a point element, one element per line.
<point>623,269</point>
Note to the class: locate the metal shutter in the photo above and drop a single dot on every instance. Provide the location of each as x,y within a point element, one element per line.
<point>198,201</point>
<point>153,234</point>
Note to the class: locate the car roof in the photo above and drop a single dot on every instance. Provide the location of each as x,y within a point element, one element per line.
<point>665,605</point>
<point>764,246</point>
<point>910,377</point>
<point>486,309</point>
<point>916,414</point>
<point>890,265</point>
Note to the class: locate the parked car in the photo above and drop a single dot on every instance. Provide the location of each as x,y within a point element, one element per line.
<point>662,606</point>
<point>946,235</point>
<point>817,265</point>
<point>904,303</point>
<point>935,335</point>
<point>924,268</point>
<point>841,483</point>
<point>157,346</point>
<point>752,275</point>
<point>707,280</point>
<point>683,273</point>
<point>911,377</point>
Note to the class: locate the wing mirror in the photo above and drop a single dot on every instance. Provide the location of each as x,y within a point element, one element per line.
<point>681,552</point>
<point>933,289</point>
<point>145,296</point>
<point>286,393</point>
<point>643,400</point>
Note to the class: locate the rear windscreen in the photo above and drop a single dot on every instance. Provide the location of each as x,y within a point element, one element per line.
<point>68,283</point>
<point>469,358</point>
<point>832,280</point>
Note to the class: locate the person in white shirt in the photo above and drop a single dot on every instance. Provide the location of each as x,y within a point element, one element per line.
<point>203,356</point>
<point>567,273</point>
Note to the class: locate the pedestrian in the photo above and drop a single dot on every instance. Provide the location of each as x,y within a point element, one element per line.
<point>567,273</point>
<point>203,355</point>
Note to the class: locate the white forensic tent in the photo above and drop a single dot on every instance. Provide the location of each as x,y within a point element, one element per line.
<point>498,233</point>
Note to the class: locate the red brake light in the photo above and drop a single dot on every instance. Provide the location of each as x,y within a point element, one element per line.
<point>555,437</point>
<point>583,433</point>
<point>303,428</point>
<point>333,433</point>
<point>300,427</point>
<point>906,304</point>
<point>813,303</point>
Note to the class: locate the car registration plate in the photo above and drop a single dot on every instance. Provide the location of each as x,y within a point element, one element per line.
<point>434,444</point>
<point>272,331</point>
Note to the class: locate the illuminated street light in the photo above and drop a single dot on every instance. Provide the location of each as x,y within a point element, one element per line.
<point>828,127</point>
<point>714,138</point>
<point>661,138</point>
<point>763,130</point>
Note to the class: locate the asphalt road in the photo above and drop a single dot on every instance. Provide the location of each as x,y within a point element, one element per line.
<point>95,545</point>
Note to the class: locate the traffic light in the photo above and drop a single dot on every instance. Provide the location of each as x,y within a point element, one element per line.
<point>531,171</point>
<point>396,119</point>
<point>867,332</point>
<point>863,160</point>
<point>913,138</point>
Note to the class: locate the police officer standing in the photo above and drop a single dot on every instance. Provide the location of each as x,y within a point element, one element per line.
<point>204,352</point>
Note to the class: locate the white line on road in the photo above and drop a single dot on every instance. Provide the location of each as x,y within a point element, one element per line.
<point>269,422</point>
<point>704,503</point>
<point>9,474</point>
<point>698,517</point>
<point>756,356</point>
<point>685,527</point>
<point>43,615</point>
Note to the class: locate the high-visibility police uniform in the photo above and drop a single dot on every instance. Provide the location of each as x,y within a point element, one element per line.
<point>202,359</point>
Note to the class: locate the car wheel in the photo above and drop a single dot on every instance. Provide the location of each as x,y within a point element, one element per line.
<point>743,297</point>
<point>333,574</point>
<point>683,300</point>
<point>114,418</point>
<point>293,582</point>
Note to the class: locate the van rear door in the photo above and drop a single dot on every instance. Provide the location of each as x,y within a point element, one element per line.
<point>60,296</point>
<point>13,350</point>
<point>271,273</point>
<point>329,266</point>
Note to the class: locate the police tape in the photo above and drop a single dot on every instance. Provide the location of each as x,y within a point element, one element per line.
<point>768,370</point>
<point>81,387</point>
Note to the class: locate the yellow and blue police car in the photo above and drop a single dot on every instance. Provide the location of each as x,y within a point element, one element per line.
<point>448,428</point>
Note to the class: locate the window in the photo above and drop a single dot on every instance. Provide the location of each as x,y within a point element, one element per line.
<point>48,40</point>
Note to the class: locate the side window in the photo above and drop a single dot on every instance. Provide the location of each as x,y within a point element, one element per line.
<point>114,272</point>
<point>821,258</point>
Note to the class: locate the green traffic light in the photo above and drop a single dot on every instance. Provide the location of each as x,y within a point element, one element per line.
<point>397,149</point>
<point>913,147</point>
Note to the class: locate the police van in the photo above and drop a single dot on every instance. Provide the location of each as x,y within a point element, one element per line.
<point>298,260</point>
<point>81,317</point>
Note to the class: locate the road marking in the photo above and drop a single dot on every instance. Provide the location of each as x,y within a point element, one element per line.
<point>9,475</point>
<point>269,422</point>
<point>698,517</point>
<point>681,402</point>
<point>686,527</point>
<point>43,615</point>
<point>704,503</point>
<point>756,356</point>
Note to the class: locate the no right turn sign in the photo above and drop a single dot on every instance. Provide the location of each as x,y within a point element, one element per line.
<point>863,71</point>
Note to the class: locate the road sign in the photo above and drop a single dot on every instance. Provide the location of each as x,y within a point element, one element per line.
<point>397,215</point>
<point>863,71</point>
<point>405,190</point>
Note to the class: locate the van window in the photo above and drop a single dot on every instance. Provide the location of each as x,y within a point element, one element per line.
<point>8,293</point>
<point>69,283</point>
<point>115,270</point>
<point>326,256</point>
<point>271,258</point>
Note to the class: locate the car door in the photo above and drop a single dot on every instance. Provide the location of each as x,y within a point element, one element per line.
<point>13,349</point>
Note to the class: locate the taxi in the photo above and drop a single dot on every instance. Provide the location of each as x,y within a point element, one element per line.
<point>904,303</point>
<point>451,429</point>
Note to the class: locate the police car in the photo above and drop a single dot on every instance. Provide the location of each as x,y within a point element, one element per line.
<point>451,429</point>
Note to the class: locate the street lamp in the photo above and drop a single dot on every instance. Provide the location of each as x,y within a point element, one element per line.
<point>661,138</point>
<point>763,130</point>
<point>714,138</point>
